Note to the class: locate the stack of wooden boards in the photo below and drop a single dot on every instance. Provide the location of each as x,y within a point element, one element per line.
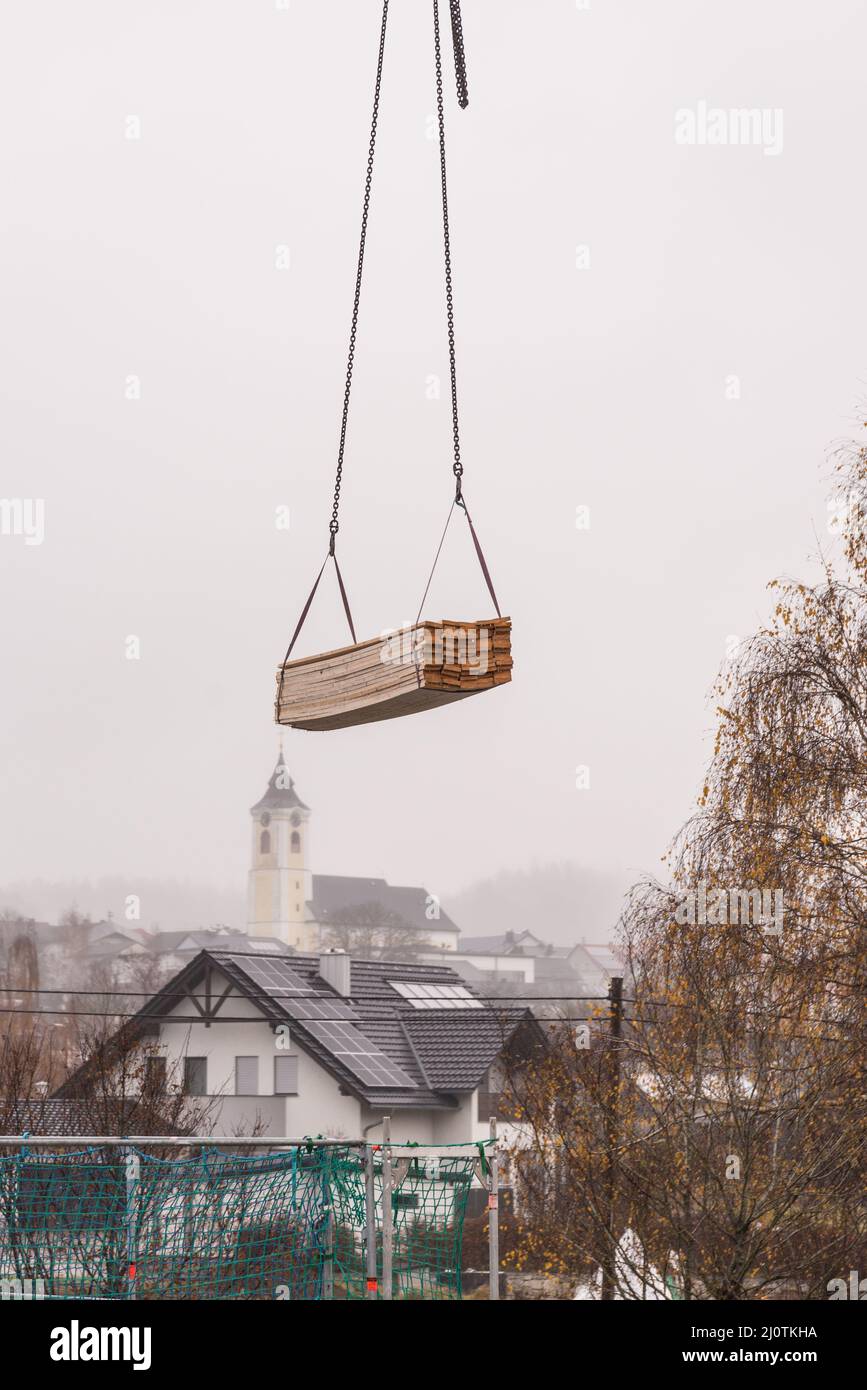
<point>406,671</point>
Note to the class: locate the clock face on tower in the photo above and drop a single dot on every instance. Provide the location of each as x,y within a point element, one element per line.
<point>295,818</point>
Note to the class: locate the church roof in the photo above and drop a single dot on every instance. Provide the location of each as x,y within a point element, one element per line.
<point>335,895</point>
<point>281,790</point>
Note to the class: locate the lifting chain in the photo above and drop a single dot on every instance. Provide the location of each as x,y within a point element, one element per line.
<point>460,67</point>
<point>334,524</point>
<point>463,99</point>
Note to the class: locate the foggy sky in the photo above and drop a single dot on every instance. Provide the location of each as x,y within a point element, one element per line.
<point>602,386</point>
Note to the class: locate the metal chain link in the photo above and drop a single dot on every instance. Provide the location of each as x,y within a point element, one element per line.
<point>334,524</point>
<point>463,100</point>
<point>460,55</point>
<point>460,67</point>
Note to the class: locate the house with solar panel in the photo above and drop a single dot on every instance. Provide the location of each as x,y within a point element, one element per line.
<point>287,902</point>
<point>293,1045</point>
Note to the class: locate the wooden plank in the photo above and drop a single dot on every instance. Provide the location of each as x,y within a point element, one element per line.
<point>339,686</point>
<point>329,701</point>
<point>354,685</point>
<point>411,702</point>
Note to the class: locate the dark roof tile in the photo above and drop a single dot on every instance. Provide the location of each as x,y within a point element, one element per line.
<point>68,1118</point>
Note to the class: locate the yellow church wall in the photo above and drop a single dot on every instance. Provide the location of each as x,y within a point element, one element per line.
<point>263,907</point>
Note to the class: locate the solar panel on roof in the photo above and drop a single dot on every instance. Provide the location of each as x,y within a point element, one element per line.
<point>361,1056</point>
<point>326,1018</point>
<point>283,985</point>
<point>271,973</point>
<point>436,996</point>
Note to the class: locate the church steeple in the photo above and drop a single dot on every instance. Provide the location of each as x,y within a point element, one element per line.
<point>280,884</point>
<point>280,791</point>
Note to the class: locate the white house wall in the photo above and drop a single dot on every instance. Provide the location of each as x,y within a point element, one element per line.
<point>319,1108</point>
<point>428,1126</point>
<point>441,938</point>
<point>457,1126</point>
<point>525,966</point>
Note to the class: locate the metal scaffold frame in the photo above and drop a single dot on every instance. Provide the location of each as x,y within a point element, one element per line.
<point>105,1216</point>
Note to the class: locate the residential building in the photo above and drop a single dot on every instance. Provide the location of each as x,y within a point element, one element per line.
<point>293,1045</point>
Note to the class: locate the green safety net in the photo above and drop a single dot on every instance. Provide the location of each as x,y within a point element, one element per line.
<point>428,1205</point>
<point>120,1223</point>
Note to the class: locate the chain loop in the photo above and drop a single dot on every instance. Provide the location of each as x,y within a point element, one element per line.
<point>463,99</point>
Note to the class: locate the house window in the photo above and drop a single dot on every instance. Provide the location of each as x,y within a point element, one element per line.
<point>195,1076</point>
<point>154,1076</point>
<point>296,842</point>
<point>286,1076</point>
<point>265,842</point>
<point>246,1076</point>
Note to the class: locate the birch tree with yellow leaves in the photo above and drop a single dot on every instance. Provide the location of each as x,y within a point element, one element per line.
<point>727,1129</point>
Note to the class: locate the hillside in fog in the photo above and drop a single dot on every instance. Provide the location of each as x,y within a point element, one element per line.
<point>561,903</point>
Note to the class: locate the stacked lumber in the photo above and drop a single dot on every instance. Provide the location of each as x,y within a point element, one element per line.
<point>403,672</point>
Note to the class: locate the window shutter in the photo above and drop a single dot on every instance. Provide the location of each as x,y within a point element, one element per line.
<point>286,1076</point>
<point>246,1076</point>
<point>156,1071</point>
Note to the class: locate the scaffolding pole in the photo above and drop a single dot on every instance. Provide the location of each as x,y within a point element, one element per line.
<point>387,1211</point>
<point>133,1179</point>
<point>372,1289</point>
<point>494,1217</point>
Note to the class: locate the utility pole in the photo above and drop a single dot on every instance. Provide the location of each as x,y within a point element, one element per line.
<point>615,1030</point>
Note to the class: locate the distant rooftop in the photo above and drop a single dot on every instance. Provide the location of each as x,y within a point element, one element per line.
<point>510,943</point>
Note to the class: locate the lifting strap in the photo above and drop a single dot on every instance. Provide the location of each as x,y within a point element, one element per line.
<point>306,609</point>
<point>462,503</point>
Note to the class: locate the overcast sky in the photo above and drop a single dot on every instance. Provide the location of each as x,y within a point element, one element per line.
<point>669,334</point>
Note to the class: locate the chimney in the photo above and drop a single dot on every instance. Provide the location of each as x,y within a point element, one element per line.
<point>335,967</point>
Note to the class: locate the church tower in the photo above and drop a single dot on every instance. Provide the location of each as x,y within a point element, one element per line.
<point>280,883</point>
